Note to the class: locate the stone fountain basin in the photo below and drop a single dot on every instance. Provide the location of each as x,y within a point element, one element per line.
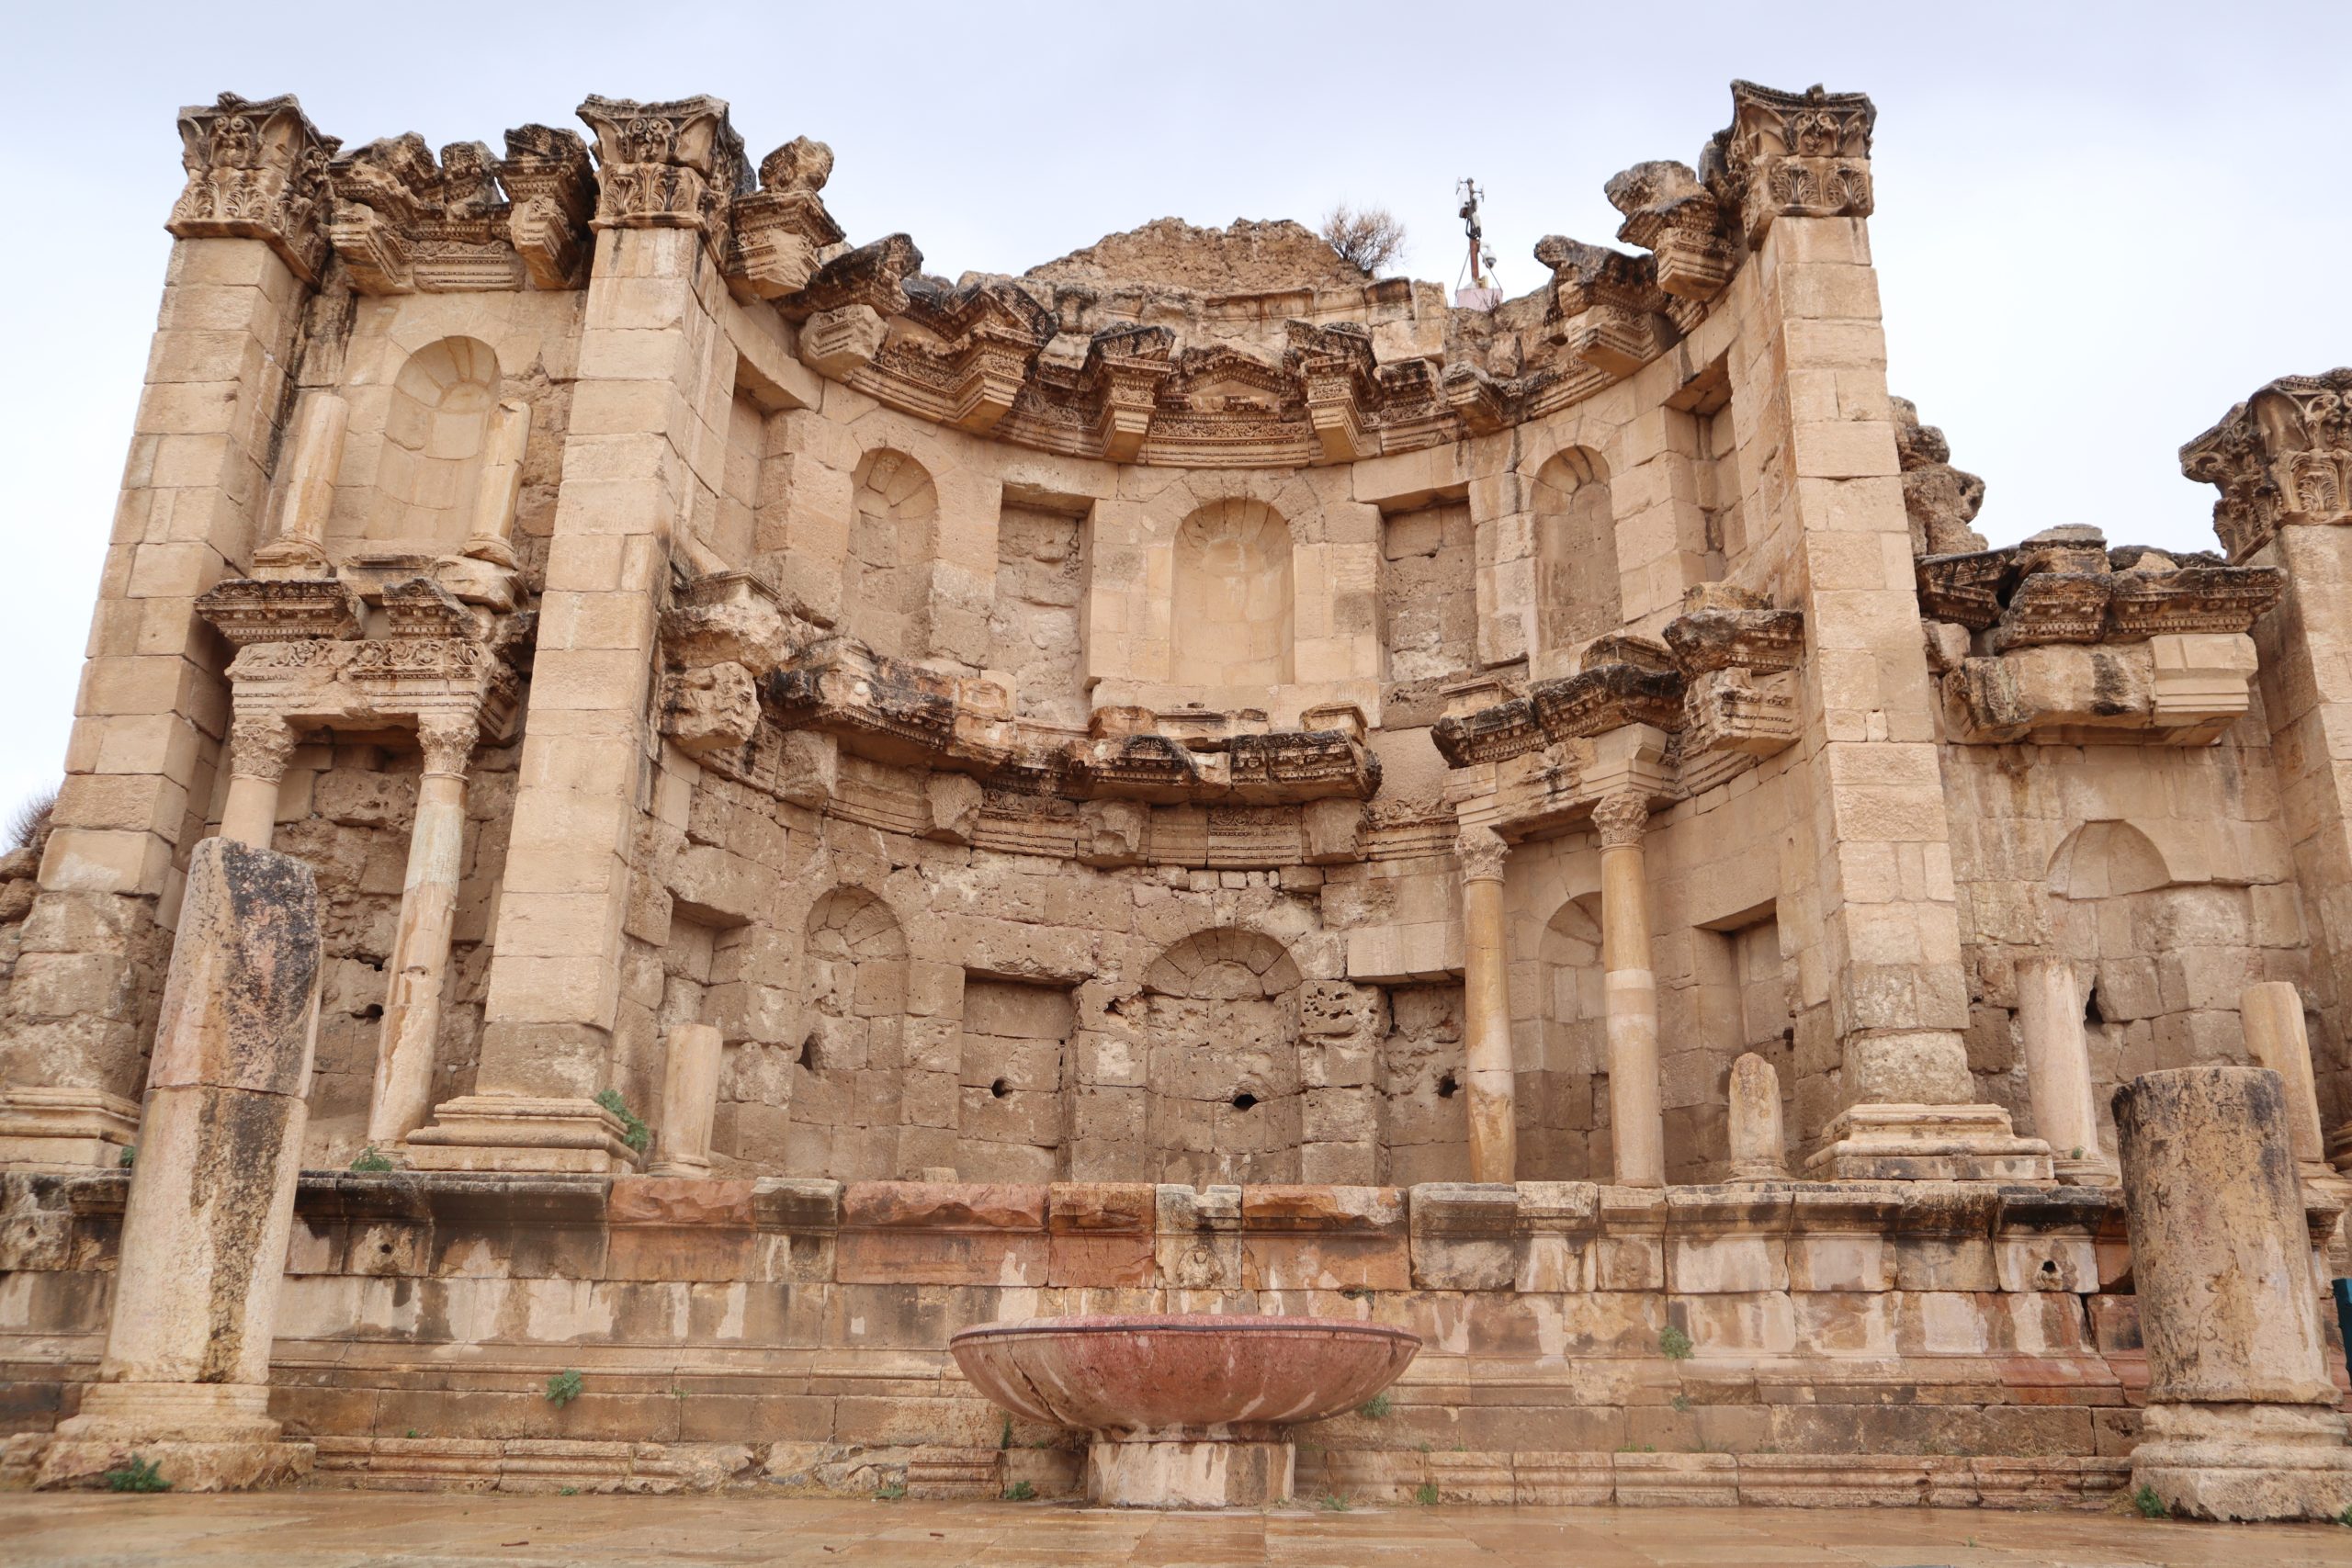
<point>1196,1373</point>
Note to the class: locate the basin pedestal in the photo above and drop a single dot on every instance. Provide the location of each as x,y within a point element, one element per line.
<point>1184,1411</point>
<point>1197,1469</point>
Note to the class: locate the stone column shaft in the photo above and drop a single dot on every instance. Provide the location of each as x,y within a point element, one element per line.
<point>313,460</point>
<point>259,745</point>
<point>501,484</point>
<point>2058,1070</point>
<point>2275,1038</point>
<point>2241,1421</point>
<point>1636,1119</point>
<point>689,1101</point>
<point>1486,991</point>
<point>419,966</point>
<point>185,1380</point>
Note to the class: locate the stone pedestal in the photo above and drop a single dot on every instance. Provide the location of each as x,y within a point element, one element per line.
<point>516,1132</point>
<point>1927,1143</point>
<point>2241,1420</point>
<point>1758,1142</point>
<point>2058,1071</point>
<point>1178,1470</point>
<point>60,1128</point>
<point>185,1380</point>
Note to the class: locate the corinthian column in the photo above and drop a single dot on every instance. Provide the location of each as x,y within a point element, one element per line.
<point>259,745</point>
<point>1494,1135</point>
<point>1637,1130</point>
<point>420,968</point>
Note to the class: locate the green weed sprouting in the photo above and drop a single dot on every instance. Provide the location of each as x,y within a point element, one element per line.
<point>372,1161</point>
<point>2151,1506</point>
<point>1426,1493</point>
<point>563,1387</point>
<point>1020,1492</point>
<point>1377,1408</point>
<point>634,1132</point>
<point>139,1475</point>
<point>1673,1344</point>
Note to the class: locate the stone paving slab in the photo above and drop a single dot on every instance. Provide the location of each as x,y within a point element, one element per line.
<point>317,1529</point>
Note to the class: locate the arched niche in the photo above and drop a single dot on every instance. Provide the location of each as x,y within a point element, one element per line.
<point>886,581</point>
<point>848,1076</point>
<point>1221,1035</point>
<point>434,429</point>
<point>1232,606</point>
<point>2100,860</point>
<point>1577,596</point>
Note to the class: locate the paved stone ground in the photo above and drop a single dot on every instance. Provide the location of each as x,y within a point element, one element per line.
<point>330,1529</point>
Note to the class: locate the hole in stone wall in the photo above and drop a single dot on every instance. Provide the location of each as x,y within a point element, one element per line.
<point>1000,1088</point>
<point>371,1011</point>
<point>2091,1013</point>
<point>1244,1100</point>
<point>807,1057</point>
<point>1447,1088</point>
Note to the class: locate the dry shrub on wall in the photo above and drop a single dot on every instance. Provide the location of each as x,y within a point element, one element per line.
<point>1370,237</point>
<point>29,824</point>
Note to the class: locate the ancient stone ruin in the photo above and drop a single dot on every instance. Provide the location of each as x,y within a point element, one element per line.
<point>670,811</point>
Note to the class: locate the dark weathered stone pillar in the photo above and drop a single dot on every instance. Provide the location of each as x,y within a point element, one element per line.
<point>2242,1421</point>
<point>184,1384</point>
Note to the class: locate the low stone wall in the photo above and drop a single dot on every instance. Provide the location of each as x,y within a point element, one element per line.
<point>1899,1342</point>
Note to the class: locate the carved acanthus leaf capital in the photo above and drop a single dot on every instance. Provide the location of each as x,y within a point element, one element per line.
<point>1482,852</point>
<point>2282,457</point>
<point>260,745</point>
<point>1620,819</point>
<point>1791,155</point>
<point>667,165</point>
<point>447,739</point>
<point>256,170</point>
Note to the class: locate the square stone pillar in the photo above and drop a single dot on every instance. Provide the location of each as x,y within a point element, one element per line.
<point>1818,455</point>
<point>148,741</point>
<point>655,375</point>
<point>184,1384</point>
<point>2283,462</point>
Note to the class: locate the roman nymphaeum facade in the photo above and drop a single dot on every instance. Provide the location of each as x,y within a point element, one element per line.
<point>1190,778</point>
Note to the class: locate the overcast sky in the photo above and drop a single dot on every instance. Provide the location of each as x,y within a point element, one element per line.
<point>2099,225</point>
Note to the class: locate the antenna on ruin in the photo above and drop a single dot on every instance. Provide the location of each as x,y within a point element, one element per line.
<point>1481,293</point>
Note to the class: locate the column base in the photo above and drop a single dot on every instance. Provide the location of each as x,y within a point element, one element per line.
<point>1927,1143</point>
<point>2091,1170</point>
<point>2245,1461</point>
<point>64,1129</point>
<point>199,1437</point>
<point>1185,1471</point>
<point>497,1131</point>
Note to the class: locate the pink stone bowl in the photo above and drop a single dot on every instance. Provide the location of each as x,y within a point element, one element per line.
<point>1194,1373</point>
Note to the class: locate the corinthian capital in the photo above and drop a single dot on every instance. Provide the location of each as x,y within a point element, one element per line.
<point>1792,155</point>
<point>1620,819</point>
<point>2282,457</point>
<point>666,165</point>
<point>256,170</point>
<point>1482,852</point>
<point>447,741</point>
<point>259,745</point>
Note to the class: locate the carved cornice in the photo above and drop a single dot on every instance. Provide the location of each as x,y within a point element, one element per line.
<point>1623,681</point>
<point>552,189</point>
<point>2066,586</point>
<point>1694,242</point>
<point>1606,308</point>
<point>1791,155</point>
<point>666,165</point>
<point>246,610</point>
<point>2281,458</point>
<point>403,224</point>
<point>256,170</point>
<point>781,228</point>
